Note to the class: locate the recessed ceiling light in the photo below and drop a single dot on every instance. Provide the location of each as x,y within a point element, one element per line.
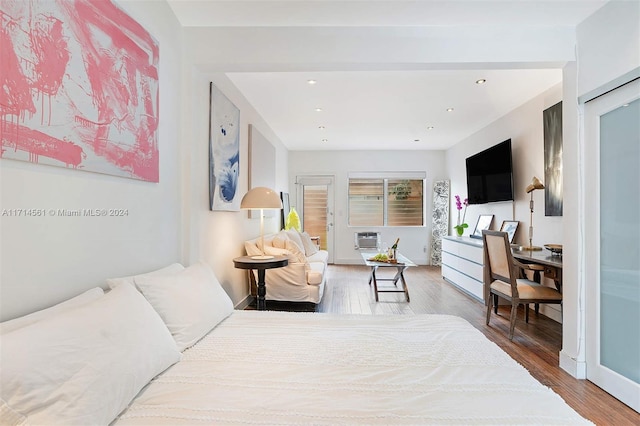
<point>416,140</point>
<point>318,109</point>
<point>321,127</point>
<point>430,128</point>
<point>311,82</point>
<point>481,81</point>
<point>625,105</point>
<point>325,140</point>
<point>449,109</point>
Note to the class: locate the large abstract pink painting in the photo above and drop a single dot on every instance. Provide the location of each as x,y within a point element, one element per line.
<point>79,87</point>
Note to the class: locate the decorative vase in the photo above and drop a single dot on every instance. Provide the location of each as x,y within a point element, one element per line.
<point>459,230</point>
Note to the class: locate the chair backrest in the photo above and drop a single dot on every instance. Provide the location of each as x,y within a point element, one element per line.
<point>498,259</point>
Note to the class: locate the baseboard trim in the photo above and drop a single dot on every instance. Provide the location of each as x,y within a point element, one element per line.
<point>244,303</point>
<point>577,369</point>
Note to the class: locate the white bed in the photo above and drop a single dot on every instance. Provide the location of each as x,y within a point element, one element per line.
<point>167,347</point>
<point>297,368</point>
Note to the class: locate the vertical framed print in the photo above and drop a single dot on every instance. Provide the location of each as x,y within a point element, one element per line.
<point>286,207</point>
<point>553,194</point>
<point>224,152</point>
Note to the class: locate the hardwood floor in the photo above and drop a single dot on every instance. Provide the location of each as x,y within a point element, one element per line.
<point>535,345</point>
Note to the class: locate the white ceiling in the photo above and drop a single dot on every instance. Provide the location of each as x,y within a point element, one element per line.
<point>385,109</point>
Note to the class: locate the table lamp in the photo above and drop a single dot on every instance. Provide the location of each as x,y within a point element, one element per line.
<point>261,198</point>
<point>535,184</point>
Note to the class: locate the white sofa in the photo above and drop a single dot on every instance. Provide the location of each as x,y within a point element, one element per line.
<point>303,280</point>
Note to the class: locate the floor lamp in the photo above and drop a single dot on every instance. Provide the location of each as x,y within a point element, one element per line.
<point>535,184</point>
<point>261,198</point>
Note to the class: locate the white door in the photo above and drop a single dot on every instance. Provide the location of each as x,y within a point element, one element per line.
<point>612,253</point>
<point>315,208</point>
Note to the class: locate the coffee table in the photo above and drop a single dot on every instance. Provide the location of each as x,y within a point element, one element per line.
<point>402,264</point>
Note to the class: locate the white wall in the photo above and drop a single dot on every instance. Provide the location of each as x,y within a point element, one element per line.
<point>608,46</point>
<point>216,237</point>
<point>46,260</point>
<point>415,242</point>
<point>524,126</point>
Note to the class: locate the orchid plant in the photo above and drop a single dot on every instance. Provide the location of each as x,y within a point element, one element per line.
<point>461,225</point>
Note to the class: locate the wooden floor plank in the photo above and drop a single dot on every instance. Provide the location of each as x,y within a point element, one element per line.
<point>535,345</point>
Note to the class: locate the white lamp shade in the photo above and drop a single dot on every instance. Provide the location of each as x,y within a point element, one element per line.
<point>261,197</point>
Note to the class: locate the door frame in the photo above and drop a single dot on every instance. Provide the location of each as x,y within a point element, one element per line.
<point>318,180</point>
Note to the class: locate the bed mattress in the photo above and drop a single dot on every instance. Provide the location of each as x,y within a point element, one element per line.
<point>310,368</point>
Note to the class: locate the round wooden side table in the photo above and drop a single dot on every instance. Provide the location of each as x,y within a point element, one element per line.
<point>261,265</point>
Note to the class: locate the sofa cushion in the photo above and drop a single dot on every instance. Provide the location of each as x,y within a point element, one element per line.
<point>321,256</point>
<point>315,273</point>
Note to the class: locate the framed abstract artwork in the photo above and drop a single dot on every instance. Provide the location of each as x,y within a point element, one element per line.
<point>80,88</point>
<point>553,196</point>
<point>224,152</point>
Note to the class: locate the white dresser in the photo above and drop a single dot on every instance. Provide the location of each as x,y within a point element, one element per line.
<point>462,264</point>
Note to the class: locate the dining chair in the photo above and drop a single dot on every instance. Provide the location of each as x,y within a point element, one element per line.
<point>501,279</point>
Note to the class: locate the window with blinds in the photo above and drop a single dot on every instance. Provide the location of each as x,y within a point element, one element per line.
<point>386,202</point>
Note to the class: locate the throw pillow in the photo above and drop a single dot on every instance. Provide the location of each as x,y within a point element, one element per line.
<point>297,253</point>
<point>309,247</point>
<point>280,241</point>
<point>295,237</point>
<point>274,251</point>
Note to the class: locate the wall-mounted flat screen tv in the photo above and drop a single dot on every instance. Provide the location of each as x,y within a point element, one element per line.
<point>490,175</point>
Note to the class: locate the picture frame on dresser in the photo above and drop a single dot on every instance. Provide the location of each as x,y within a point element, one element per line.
<point>510,227</point>
<point>484,222</point>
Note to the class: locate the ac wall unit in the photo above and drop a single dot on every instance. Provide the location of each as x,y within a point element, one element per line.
<point>366,240</point>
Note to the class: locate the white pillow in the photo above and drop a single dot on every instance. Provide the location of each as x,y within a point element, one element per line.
<point>85,365</point>
<point>167,270</point>
<point>297,253</point>
<point>252,248</point>
<point>275,251</point>
<point>279,241</point>
<point>309,247</point>
<point>295,237</point>
<point>74,302</point>
<point>190,302</point>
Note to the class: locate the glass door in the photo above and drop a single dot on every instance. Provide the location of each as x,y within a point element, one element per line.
<point>315,207</point>
<point>612,148</point>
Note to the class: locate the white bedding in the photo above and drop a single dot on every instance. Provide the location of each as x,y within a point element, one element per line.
<point>305,368</point>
